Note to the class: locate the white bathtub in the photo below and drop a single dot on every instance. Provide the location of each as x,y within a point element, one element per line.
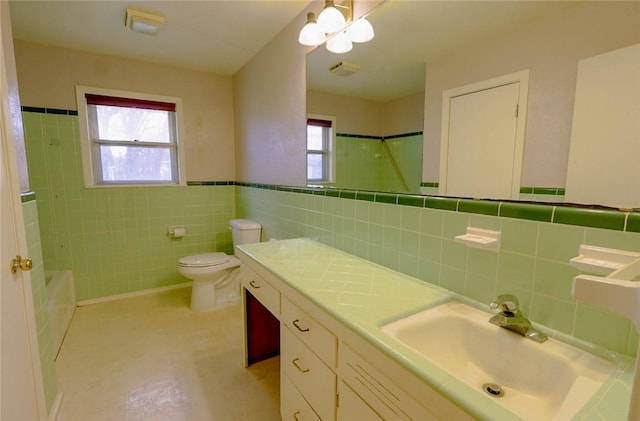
<point>61,296</point>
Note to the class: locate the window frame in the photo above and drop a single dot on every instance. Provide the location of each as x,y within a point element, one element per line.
<point>329,152</point>
<point>91,161</point>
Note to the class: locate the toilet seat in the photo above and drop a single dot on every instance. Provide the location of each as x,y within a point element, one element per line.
<point>204,260</point>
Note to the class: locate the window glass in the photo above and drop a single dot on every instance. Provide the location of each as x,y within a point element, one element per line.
<point>129,138</point>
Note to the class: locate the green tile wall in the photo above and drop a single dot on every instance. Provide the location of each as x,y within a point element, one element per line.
<point>363,163</point>
<point>114,239</point>
<point>533,261</point>
<point>39,291</point>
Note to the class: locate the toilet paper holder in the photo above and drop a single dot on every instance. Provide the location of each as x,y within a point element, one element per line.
<point>177,231</point>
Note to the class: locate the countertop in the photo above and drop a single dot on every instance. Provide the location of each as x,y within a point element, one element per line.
<point>364,296</point>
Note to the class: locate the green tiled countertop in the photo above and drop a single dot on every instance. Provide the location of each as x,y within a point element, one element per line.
<point>363,296</point>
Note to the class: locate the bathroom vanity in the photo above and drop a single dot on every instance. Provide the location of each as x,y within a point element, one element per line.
<point>336,360</point>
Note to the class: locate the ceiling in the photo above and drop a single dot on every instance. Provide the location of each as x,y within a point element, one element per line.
<point>218,36</point>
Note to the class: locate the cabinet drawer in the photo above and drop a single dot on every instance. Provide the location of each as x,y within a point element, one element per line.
<point>261,289</point>
<point>315,381</point>
<point>308,330</point>
<point>292,404</point>
<point>379,393</point>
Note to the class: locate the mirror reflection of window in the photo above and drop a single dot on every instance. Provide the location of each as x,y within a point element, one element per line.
<point>320,149</point>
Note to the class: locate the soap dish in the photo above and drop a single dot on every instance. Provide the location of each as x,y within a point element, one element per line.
<point>602,261</point>
<point>480,238</point>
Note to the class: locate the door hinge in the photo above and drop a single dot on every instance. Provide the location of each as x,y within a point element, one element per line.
<point>517,109</point>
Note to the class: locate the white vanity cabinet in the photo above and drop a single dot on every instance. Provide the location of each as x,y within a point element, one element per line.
<point>329,372</point>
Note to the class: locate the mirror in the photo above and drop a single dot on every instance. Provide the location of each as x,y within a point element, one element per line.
<point>437,46</point>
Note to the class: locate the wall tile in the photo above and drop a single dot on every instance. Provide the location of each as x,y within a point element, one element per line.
<point>532,264</point>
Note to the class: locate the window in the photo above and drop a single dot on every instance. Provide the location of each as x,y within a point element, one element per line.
<point>320,149</point>
<point>128,138</point>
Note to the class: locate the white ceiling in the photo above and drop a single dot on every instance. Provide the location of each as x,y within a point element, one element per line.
<point>219,36</point>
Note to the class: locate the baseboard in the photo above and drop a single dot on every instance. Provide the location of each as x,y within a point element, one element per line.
<point>55,408</point>
<point>132,294</point>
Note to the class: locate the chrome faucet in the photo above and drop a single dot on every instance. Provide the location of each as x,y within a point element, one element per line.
<point>511,318</point>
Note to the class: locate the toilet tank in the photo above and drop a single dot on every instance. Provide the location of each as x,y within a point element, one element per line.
<point>245,231</point>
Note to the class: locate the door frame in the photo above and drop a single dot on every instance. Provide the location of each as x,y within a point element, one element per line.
<point>521,77</point>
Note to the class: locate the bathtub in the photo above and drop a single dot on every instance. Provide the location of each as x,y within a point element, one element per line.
<point>61,296</point>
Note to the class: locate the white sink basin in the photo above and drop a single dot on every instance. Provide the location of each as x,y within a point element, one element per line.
<point>550,380</point>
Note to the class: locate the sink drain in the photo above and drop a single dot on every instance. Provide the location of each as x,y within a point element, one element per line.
<point>493,389</point>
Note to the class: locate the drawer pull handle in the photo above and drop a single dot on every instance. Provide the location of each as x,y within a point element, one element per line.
<point>297,325</point>
<point>300,369</point>
<point>253,284</point>
<point>295,415</point>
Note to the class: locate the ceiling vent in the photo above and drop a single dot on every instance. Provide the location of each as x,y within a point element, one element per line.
<point>345,68</point>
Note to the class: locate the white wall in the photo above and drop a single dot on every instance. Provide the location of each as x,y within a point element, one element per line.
<point>47,77</point>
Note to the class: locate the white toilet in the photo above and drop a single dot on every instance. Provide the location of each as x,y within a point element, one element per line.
<point>216,276</point>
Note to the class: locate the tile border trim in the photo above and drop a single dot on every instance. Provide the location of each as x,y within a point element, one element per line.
<point>27,196</point>
<point>565,214</point>
<point>42,110</point>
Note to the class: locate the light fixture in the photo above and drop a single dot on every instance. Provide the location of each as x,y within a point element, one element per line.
<point>360,31</point>
<point>331,19</point>
<point>339,43</point>
<point>143,21</point>
<point>311,34</point>
<point>331,27</point>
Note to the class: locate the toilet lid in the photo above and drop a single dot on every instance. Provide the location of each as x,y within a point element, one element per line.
<point>203,260</point>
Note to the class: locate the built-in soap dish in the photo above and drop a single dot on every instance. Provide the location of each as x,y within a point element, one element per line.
<point>480,238</point>
<point>602,261</point>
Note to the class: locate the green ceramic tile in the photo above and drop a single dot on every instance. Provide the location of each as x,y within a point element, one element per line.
<point>408,264</point>
<point>545,190</point>
<point>365,195</point>
<point>454,254</point>
<point>628,241</point>
<point>431,221</point>
<point>634,339</point>
<point>633,222</point>
<point>526,190</point>
<point>443,203</point>
<point>554,279</point>
<point>519,236</point>
<point>480,288</point>
<point>484,222</point>
<point>526,211</point>
<point>553,313</point>
<point>392,215</point>
<point>429,271</point>
<point>602,327</point>
<point>483,207</point>
<point>333,192</point>
<point>559,242</point>
<point>392,238</point>
<point>410,243</point>
<point>515,269</point>
<point>454,224</point>
<point>482,262</point>
<point>386,198</point>
<point>347,194</point>
<point>431,247</point>
<point>410,200</point>
<point>452,279</point>
<point>410,218</point>
<point>594,218</point>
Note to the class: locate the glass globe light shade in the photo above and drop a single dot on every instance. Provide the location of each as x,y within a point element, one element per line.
<point>339,44</point>
<point>311,34</point>
<point>331,19</point>
<point>360,31</point>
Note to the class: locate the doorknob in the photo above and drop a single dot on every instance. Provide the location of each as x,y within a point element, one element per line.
<point>20,263</point>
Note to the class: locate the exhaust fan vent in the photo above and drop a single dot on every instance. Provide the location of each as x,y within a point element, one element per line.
<point>345,68</point>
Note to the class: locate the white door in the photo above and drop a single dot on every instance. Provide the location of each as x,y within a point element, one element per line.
<point>483,138</point>
<point>19,398</point>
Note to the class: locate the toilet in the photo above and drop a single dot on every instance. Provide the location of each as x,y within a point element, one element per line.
<point>216,276</point>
